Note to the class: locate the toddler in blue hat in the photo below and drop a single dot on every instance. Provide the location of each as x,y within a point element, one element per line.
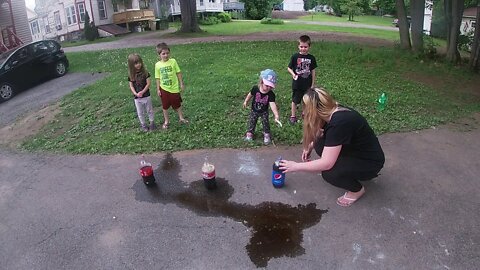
<point>263,97</point>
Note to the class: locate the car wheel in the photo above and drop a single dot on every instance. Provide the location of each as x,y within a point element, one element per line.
<point>60,69</point>
<point>6,91</point>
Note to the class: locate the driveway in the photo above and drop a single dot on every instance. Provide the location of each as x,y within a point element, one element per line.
<point>42,95</point>
<point>94,212</point>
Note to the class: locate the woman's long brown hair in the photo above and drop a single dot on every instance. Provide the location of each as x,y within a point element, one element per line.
<point>318,105</point>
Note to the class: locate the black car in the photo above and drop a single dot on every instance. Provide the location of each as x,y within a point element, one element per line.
<point>30,64</point>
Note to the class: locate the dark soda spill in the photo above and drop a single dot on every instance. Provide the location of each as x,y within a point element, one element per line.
<point>277,228</point>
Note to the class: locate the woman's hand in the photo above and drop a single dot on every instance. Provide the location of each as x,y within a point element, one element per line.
<point>288,166</point>
<point>245,104</point>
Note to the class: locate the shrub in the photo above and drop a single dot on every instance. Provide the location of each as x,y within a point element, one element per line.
<point>224,17</point>
<point>429,47</point>
<point>465,41</point>
<point>208,21</point>
<point>271,21</point>
<point>90,30</point>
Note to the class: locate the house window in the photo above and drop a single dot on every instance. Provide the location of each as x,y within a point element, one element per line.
<point>474,24</point>
<point>211,1</point>
<point>58,21</point>
<point>81,11</point>
<point>71,16</point>
<point>34,27</point>
<point>201,2</point>
<point>47,25</point>
<point>102,11</point>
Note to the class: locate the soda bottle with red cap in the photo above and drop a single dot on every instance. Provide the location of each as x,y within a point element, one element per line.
<point>146,171</point>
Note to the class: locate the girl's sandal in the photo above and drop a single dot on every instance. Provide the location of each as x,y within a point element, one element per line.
<point>184,121</point>
<point>165,126</point>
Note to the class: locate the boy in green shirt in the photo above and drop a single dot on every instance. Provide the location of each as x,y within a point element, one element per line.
<point>169,83</point>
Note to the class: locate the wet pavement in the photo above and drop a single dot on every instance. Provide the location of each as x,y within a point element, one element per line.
<point>94,212</point>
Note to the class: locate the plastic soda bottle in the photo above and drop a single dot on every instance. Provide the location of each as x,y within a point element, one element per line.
<point>208,174</point>
<point>278,176</point>
<point>146,171</point>
<point>382,102</point>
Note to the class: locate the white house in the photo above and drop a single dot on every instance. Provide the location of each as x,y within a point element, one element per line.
<point>293,5</point>
<point>427,17</point>
<point>202,6</point>
<point>65,19</point>
<point>34,25</point>
<point>468,20</point>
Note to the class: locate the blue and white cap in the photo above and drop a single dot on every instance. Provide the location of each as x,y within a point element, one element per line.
<point>269,77</point>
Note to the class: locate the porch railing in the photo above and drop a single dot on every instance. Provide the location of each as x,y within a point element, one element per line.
<point>9,39</point>
<point>133,16</point>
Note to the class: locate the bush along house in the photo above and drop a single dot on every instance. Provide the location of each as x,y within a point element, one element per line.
<point>14,29</point>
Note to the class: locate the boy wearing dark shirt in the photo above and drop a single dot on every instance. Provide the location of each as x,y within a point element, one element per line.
<point>302,68</point>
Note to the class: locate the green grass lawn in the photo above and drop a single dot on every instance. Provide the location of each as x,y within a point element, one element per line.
<point>101,118</point>
<point>248,27</point>
<point>363,19</point>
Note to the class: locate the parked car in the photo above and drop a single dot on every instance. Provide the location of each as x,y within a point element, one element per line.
<point>30,64</point>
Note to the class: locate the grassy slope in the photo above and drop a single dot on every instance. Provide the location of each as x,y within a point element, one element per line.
<point>101,118</point>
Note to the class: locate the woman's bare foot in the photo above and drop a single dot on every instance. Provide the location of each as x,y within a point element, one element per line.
<point>350,197</point>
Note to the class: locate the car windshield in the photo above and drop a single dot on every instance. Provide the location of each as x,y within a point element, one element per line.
<point>4,56</point>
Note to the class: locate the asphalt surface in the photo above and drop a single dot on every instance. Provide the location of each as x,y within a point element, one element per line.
<point>42,95</point>
<point>94,212</point>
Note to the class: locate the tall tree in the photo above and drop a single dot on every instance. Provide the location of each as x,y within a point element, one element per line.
<point>188,10</point>
<point>417,10</point>
<point>403,25</point>
<point>475,54</point>
<point>453,15</point>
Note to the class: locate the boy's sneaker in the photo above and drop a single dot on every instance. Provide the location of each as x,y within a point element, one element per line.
<point>293,120</point>
<point>248,137</point>
<point>144,127</point>
<point>152,126</point>
<point>266,139</point>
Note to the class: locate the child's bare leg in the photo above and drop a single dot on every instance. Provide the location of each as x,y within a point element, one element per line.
<point>165,117</point>
<point>180,114</point>
<point>294,109</point>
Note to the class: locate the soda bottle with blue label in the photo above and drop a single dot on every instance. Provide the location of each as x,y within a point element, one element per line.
<point>278,176</point>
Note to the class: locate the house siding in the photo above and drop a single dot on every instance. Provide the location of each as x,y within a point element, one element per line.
<point>48,8</point>
<point>20,20</point>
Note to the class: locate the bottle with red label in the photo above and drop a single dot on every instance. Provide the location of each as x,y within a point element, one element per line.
<point>278,176</point>
<point>146,171</point>
<point>208,174</point>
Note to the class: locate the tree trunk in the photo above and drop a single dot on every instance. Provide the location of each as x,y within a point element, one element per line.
<point>188,9</point>
<point>475,54</point>
<point>403,25</point>
<point>453,14</point>
<point>417,9</point>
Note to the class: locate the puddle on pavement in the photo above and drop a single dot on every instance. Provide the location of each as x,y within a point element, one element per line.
<point>276,228</point>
